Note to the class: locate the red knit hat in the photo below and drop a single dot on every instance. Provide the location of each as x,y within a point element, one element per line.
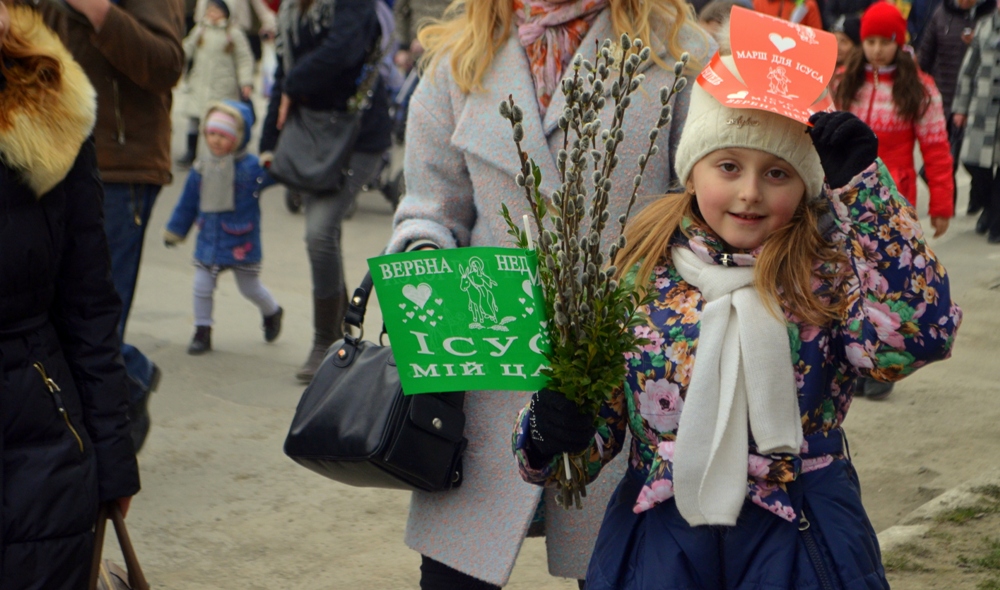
<point>885,20</point>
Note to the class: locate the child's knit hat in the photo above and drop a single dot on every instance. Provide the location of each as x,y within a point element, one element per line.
<point>885,20</point>
<point>710,126</point>
<point>225,123</point>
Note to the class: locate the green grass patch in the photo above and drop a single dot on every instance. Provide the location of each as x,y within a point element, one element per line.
<point>991,560</point>
<point>964,514</point>
<point>991,491</point>
<point>991,584</point>
<point>903,559</point>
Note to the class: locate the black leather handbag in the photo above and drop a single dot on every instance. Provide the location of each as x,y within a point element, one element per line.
<point>315,146</point>
<point>354,425</point>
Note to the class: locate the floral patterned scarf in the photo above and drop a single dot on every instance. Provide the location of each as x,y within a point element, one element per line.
<point>550,33</point>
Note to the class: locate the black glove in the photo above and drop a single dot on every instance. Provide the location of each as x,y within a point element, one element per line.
<point>846,146</point>
<point>557,426</point>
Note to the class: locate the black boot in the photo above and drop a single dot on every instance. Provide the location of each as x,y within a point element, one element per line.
<point>192,150</point>
<point>983,223</point>
<point>272,325</point>
<point>877,390</point>
<point>202,341</point>
<point>328,322</point>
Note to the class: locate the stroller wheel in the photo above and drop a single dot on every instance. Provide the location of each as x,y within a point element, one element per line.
<point>293,201</point>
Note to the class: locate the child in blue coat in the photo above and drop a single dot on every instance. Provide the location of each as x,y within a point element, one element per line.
<point>221,195</point>
<point>788,269</point>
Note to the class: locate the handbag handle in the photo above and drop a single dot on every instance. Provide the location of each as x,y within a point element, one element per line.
<point>355,315</point>
<point>111,510</point>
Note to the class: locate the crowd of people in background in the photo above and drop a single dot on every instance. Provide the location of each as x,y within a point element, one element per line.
<point>916,72</point>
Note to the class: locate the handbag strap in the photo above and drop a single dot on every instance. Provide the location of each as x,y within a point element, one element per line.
<point>361,99</point>
<point>355,315</point>
<point>111,510</point>
<point>95,562</point>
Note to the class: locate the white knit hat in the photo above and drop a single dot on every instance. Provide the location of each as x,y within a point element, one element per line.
<point>710,126</point>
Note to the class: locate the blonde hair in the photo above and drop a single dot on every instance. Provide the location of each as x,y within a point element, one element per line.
<point>785,268</point>
<point>472,31</point>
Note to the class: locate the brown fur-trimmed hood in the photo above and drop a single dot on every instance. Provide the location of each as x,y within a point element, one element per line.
<point>40,140</point>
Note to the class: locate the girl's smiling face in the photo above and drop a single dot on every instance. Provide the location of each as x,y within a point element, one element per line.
<point>745,195</point>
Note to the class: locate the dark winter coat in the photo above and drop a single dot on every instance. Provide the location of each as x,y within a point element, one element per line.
<point>834,9</point>
<point>942,48</point>
<point>978,95</point>
<point>333,44</point>
<point>64,432</point>
<point>225,238</point>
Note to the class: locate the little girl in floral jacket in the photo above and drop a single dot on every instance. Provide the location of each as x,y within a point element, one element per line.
<point>775,293</point>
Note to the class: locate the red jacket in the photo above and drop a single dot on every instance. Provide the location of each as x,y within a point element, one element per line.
<point>784,8</point>
<point>873,104</point>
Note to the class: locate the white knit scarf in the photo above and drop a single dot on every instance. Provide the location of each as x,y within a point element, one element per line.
<point>742,373</point>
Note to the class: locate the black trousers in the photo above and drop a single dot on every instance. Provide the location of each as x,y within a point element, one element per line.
<point>986,191</point>
<point>435,575</point>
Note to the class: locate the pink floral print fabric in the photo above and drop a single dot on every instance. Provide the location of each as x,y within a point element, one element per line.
<point>899,317</point>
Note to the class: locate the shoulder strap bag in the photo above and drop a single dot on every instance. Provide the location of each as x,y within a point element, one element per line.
<point>354,425</point>
<point>105,574</point>
<point>314,147</point>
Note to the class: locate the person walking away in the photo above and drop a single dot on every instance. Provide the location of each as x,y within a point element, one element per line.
<point>242,16</point>
<point>132,54</point>
<point>322,47</point>
<point>222,68</point>
<point>460,167</point>
<point>746,482</point>
<point>975,109</point>
<point>222,195</point>
<point>65,444</point>
<point>882,85</point>
<point>942,47</point>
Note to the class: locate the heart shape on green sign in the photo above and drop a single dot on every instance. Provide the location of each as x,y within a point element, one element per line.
<point>419,294</point>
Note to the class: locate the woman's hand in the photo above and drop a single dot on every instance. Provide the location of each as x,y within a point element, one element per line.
<point>959,120</point>
<point>246,92</point>
<point>940,225</point>
<point>94,10</point>
<point>283,107</point>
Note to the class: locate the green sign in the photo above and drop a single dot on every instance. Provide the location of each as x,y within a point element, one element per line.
<point>464,319</point>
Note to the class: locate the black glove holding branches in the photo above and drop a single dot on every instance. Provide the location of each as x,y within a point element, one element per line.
<point>557,426</point>
<point>846,146</point>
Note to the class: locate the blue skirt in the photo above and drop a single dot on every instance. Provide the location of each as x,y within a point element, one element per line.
<point>658,550</point>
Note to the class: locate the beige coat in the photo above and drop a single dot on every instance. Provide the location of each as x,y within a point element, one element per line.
<point>223,63</point>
